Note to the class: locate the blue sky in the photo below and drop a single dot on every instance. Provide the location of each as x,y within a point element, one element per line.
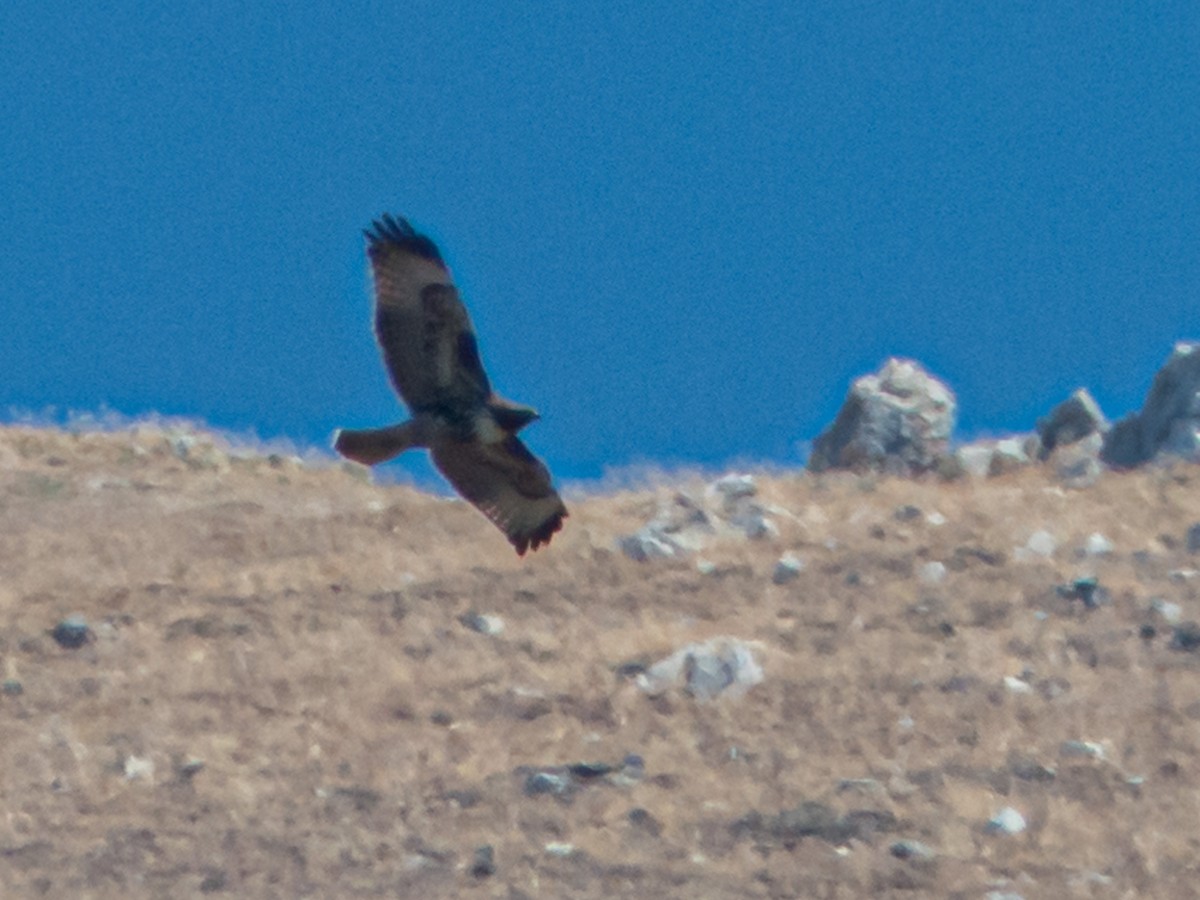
<point>681,228</point>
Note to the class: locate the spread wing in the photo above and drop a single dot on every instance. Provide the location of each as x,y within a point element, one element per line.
<point>421,324</point>
<point>508,484</point>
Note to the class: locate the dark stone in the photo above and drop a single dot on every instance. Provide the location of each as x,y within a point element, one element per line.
<point>864,824</point>
<point>644,821</point>
<point>913,851</point>
<point>72,632</point>
<point>809,819</point>
<point>1029,769</point>
<point>483,862</point>
<point>1071,421</point>
<point>558,784</point>
<point>1193,538</point>
<point>590,770</point>
<point>1087,590</point>
<point>1167,417</point>
<point>632,668</point>
<point>1186,637</point>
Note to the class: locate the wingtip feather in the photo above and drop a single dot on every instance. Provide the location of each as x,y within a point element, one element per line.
<point>541,535</point>
<point>396,231</point>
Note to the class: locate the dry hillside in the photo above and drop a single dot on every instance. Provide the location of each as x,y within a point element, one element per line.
<point>282,694</point>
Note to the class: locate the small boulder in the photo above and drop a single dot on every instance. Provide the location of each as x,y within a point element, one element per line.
<point>1072,420</point>
<point>707,669</point>
<point>788,569</point>
<point>1007,821</point>
<point>72,632</point>
<point>898,420</point>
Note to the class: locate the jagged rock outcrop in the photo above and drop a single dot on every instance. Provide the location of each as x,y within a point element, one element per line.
<point>898,420</point>
<point>1074,419</point>
<point>1168,422</point>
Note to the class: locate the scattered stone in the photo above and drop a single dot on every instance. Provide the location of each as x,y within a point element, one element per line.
<point>190,768</point>
<point>906,513</point>
<point>1071,421</point>
<point>752,521</point>
<point>649,543</point>
<point>72,632</point>
<point>565,781</point>
<point>559,849</point>
<point>1003,895</point>
<point>1169,420</point>
<point>974,459</point>
<point>1097,545</point>
<point>1007,821</point>
<point>912,851</point>
<point>1041,545</point>
<point>136,767</point>
<point>1193,538</point>
<point>483,862</point>
<point>1008,455</point>
<point>1086,749</point>
<point>860,785</point>
<point>733,497</point>
<point>936,519</point>
<point>932,573</point>
<point>898,420</point>
<point>1029,769</point>
<point>706,669</point>
<point>557,783</point>
<point>680,527</point>
<point>807,819</point>
<point>1186,637</point>
<point>1087,590</point>
<point>787,569</point>
<point>12,688</point>
<point>733,487</point>
<point>642,819</point>
<point>484,624</point>
<point>812,819</point>
<point>1171,613</point>
<point>1016,685</point>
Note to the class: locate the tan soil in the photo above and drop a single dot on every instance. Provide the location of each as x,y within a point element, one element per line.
<point>296,629</point>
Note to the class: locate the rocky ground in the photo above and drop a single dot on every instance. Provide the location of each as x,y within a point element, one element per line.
<point>244,676</point>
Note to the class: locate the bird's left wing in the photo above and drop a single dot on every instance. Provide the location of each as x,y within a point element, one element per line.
<point>508,484</point>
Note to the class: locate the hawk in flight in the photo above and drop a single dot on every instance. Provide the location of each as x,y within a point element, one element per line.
<point>430,352</point>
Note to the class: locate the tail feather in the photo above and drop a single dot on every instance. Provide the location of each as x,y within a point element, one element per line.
<point>371,446</point>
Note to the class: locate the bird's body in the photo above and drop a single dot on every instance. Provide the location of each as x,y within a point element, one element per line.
<point>431,354</point>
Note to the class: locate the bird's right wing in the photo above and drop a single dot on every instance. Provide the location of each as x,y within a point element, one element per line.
<point>422,327</point>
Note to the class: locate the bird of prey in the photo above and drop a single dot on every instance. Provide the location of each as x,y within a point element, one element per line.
<point>431,355</point>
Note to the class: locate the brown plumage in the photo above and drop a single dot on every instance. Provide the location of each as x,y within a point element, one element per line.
<point>432,357</point>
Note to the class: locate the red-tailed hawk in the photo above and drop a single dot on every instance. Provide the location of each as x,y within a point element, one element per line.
<point>430,352</point>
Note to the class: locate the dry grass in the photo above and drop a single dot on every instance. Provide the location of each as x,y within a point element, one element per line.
<point>297,629</point>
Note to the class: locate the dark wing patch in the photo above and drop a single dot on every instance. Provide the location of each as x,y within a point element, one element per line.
<point>508,484</point>
<point>420,321</point>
